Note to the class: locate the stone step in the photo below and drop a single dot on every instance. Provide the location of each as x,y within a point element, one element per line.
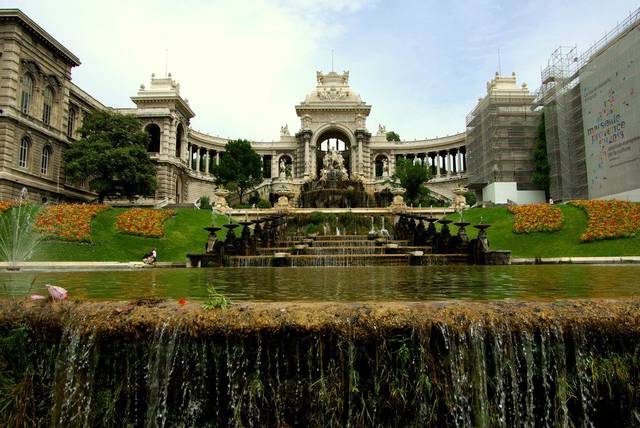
<point>344,250</point>
<point>288,260</point>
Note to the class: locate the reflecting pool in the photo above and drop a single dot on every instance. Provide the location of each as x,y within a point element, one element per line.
<point>406,283</point>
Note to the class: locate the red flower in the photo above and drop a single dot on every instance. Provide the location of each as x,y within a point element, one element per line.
<point>182,301</point>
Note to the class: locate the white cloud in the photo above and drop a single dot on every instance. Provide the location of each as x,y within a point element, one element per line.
<point>243,65</point>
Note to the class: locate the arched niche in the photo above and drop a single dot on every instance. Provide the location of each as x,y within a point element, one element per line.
<point>334,139</point>
<point>179,139</point>
<point>154,138</point>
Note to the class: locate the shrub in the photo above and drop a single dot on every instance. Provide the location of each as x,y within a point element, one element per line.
<point>536,218</point>
<point>263,203</point>
<point>470,198</point>
<point>68,222</point>
<point>610,219</point>
<point>254,198</point>
<point>143,222</point>
<point>204,203</point>
<point>317,217</point>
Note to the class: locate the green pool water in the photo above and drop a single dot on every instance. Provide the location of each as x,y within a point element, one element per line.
<point>354,284</point>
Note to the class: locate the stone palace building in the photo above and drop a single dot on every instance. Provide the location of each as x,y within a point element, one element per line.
<point>41,110</point>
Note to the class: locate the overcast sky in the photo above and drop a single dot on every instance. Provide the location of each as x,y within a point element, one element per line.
<point>243,65</point>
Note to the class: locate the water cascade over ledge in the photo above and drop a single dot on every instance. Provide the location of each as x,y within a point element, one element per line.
<point>325,364</point>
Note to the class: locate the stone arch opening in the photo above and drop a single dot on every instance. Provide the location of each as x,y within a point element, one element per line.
<point>285,166</point>
<point>381,166</point>
<point>179,137</point>
<point>333,140</point>
<point>154,138</point>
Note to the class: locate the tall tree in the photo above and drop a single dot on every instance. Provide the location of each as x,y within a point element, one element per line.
<point>412,177</point>
<point>541,166</point>
<point>112,156</point>
<point>393,136</point>
<point>241,165</point>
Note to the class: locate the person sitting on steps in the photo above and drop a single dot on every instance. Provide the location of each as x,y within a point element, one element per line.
<point>150,258</point>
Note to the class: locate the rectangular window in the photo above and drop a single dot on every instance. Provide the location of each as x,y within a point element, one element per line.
<point>46,114</point>
<point>24,153</point>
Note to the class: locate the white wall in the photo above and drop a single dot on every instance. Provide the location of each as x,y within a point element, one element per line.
<point>631,195</point>
<point>502,192</point>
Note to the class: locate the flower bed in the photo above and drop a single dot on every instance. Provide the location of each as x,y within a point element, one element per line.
<point>536,218</point>
<point>68,222</point>
<point>143,222</point>
<point>610,219</point>
<point>5,205</point>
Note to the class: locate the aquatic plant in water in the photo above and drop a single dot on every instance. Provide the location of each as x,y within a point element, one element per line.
<point>18,236</point>
<point>215,300</point>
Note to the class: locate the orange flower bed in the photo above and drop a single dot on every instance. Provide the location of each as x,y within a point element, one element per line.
<point>610,219</point>
<point>536,218</point>
<point>143,222</point>
<point>5,205</point>
<point>68,222</point>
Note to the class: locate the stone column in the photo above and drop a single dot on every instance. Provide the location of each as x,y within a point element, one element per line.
<point>197,152</point>
<point>360,160</point>
<point>307,159</point>
<point>275,162</point>
<point>448,159</point>
<point>454,163</point>
<point>464,161</point>
<point>436,159</point>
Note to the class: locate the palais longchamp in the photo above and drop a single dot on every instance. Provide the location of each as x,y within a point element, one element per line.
<point>41,110</point>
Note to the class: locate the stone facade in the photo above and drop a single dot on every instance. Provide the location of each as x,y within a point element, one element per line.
<point>41,110</point>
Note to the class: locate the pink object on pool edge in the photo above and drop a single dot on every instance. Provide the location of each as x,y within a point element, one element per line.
<point>56,293</point>
<point>36,297</point>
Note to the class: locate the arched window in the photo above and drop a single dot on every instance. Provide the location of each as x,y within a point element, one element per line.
<point>46,156</point>
<point>179,133</point>
<point>47,105</point>
<point>24,152</point>
<point>154,138</point>
<point>27,92</point>
<point>71,123</point>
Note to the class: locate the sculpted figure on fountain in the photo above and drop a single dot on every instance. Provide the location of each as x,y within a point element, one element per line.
<point>333,167</point>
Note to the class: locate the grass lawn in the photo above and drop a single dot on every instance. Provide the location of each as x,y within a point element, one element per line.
<point>183,234</point>
<point>565,242</point>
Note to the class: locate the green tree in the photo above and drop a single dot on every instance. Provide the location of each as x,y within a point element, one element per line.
<point>412,177</point>
<point>392,136</point>
<point>241,165</point>
<point>112,156</point>
<point>541,166</point>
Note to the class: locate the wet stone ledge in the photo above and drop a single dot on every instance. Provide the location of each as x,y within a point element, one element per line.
<point>152,363</point>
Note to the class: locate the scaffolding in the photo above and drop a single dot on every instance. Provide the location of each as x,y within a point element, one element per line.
<point>560,96</point>
<point>500,137</point>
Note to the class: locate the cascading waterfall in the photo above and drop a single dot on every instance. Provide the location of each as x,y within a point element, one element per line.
<point>439,364</point>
